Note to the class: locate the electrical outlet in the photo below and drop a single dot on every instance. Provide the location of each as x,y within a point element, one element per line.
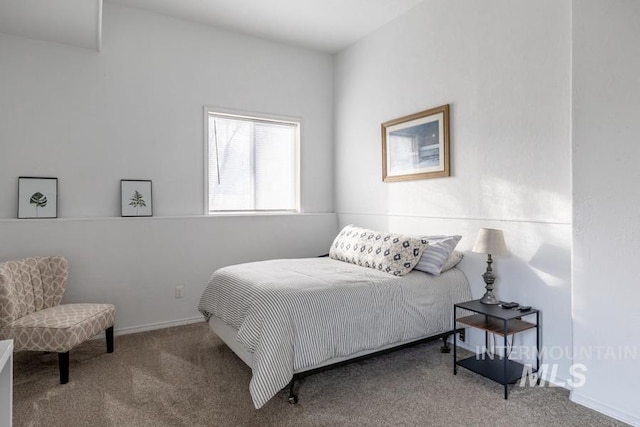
<point>179,291</point>
<point>462,335</point>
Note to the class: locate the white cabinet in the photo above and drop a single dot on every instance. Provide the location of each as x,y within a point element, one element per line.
<point>6,383</point>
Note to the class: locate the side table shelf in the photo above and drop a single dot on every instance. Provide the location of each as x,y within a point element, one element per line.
<point>502,322</point>
<point>493,325</point>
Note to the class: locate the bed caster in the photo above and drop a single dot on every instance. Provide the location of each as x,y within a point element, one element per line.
<point>445,345</point>
<point>293,397</point>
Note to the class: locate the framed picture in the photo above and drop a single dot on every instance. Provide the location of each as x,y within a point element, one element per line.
<point>135,195</point>
<point>416,146</point>
<point>37,197</point>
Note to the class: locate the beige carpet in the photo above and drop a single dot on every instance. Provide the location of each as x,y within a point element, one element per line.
<point>185,376</point>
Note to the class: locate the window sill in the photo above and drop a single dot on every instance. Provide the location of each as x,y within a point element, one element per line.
<point>252,213</point>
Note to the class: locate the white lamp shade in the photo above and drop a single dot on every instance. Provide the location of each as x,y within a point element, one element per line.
<point>490,241</point>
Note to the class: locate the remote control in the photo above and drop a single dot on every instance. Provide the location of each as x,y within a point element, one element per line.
<point>524,308</point>
<point>509,305</point>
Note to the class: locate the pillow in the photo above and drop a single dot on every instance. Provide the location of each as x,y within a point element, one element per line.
<point>437,253</point>
<point>395,254</point>
<point>452,261</point>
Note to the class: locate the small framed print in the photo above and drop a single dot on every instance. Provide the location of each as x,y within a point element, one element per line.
<point>136,197</point>
<point>416,146</point>
<point>37,197</point>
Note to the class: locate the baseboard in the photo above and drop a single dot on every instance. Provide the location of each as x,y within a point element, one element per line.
<point>153,326</point>
<point>605,409</point>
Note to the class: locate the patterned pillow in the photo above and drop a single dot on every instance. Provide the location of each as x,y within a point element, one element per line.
<point>437,253</point>
<point>395,254</point>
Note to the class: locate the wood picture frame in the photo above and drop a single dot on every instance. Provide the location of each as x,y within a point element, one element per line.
<point>37,197</point>
<point>136,197</point>
<point>416,146</point>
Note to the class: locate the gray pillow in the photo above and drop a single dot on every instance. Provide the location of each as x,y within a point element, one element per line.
<point>437,253</point>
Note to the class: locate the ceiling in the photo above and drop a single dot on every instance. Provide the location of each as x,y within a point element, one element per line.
<point>325,25</point>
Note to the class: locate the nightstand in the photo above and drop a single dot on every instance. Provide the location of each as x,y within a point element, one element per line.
<point>499,321</point>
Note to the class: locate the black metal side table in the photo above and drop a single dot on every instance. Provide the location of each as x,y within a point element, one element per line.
<point>500,321</point>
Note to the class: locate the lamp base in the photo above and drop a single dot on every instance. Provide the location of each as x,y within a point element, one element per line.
<point>489,298</point>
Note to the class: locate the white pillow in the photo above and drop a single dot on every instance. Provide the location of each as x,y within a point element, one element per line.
<point>437,253</point>
<point>395,254</point>
<point>452,261</point>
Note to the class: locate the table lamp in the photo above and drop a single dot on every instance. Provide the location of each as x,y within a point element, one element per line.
<point>491,242</point>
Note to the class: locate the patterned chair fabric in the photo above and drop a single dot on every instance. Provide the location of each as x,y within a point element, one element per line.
<point>31,284</point>
<point>59,328</point>
<point>30,293</point>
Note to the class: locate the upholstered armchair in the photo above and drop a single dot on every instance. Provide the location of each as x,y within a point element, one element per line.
<point>31,314</point>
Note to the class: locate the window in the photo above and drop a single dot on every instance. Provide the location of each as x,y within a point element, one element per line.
<point>252,163</point>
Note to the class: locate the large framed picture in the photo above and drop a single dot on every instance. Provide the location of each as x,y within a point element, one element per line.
<point>37,197</point>
<point>135,195</point>
<point>416,146</point>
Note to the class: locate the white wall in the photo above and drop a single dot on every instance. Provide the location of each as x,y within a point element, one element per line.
<point>136,263</point>
<point>504,66</point>
<point>72,22</point>
<point>606,234</point>
<point>135,110</point>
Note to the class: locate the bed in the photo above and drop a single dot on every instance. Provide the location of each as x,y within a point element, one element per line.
<point>288,317</point>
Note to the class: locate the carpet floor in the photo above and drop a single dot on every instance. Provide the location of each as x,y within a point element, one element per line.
<point>186,376</point>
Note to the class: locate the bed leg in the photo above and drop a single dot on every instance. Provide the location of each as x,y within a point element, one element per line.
<point>293,397</point>
<point>445,345</point>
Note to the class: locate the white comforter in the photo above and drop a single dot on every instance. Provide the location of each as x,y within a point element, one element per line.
<point>297,313</point>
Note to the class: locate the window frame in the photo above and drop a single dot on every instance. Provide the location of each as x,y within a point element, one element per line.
<point>208,111</point>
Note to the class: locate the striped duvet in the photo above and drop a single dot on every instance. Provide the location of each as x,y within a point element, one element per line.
<point>297,313</point>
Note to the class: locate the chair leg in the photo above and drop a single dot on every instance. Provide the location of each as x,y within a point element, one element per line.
<point>63,363</point>
<point>109,335</point>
